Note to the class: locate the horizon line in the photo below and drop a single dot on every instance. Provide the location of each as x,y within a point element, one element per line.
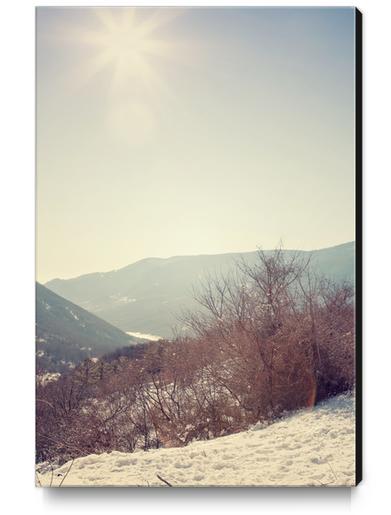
<point>188,255</point>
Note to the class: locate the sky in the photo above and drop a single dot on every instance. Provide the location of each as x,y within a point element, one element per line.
<point>166,132</point>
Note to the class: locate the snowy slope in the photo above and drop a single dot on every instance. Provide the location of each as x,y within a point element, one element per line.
<point>311,447</point>
<point>66,334</point>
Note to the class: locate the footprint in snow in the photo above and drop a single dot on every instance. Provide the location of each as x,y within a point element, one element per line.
<point>123,462</point>
<point>318,460</point>
<point>180,465</point>
<point>318,477</point>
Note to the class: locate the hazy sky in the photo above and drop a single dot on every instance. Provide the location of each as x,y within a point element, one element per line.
<point>163,132</point>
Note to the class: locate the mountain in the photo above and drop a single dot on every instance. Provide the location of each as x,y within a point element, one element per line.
<point>147,295</point>
<point>66,333</point>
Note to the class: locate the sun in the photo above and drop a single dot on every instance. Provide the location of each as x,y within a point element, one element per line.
<point>127,44</point>
<point>119,55</point>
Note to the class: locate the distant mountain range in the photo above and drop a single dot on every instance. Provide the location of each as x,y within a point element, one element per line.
<point>66,334</point>
<point>146,296</point>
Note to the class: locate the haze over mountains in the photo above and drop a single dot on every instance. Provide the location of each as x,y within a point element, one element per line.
<point>66,334</point>
<point>147,296</point>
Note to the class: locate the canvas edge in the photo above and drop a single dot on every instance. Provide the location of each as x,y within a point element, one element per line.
<point>359,239</point>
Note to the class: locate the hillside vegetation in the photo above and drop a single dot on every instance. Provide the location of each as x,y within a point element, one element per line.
<point>270,337</point>
<point>309,448</point>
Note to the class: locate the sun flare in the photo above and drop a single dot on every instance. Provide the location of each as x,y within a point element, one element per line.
<point>127,44</point>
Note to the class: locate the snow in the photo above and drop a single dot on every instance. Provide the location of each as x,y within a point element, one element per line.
<point>122,299</point>
<point>48,377</point>
<point>145,336</point>
<point>74,315</point>
<point>314,447</point>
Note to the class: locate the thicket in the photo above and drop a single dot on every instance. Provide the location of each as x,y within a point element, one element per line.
<point>267,338</point>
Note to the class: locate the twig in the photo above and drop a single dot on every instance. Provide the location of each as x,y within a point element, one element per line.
<point>332,470</point>
<point>324,484</point>
<point>67,472</point>
<point>51,478</point>
<point>39,482</point>
<point>45,402</point>
<point>164,481</point>
<point>334,474</point>
<point>71,448</point>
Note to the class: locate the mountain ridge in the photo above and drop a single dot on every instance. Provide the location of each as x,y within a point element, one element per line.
<point>66,333</point>
<point>187,256</point>
<point>144,296</point>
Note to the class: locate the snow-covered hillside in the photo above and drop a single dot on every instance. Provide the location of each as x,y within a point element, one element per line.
<point>66,334</point>
<point>311,447</point>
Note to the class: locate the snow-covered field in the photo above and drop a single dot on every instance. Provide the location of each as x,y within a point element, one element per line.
<point>311,447</point>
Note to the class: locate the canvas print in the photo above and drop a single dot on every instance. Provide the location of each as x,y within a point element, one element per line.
<point>198,247</point>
